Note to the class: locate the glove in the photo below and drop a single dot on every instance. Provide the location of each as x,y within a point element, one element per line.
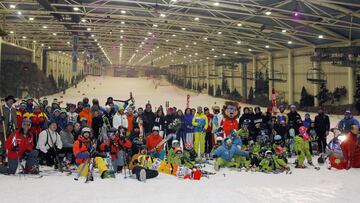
<point>2,118</point>
<point>83,155</point>
<point>15,148</point>
<point>214,156</point>
<point>250,154</point>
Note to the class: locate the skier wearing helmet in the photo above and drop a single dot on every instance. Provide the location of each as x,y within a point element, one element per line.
<point>152,142</point>
<point>84,150</point>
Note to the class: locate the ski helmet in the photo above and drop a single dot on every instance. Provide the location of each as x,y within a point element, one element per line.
<point>292,132</point>
<point>219,140</point>
<point>156,128</point>
<point>302,129</point>
<point>233,133</point>
<point>277,138</point>
<point>188,146</point>
<point>85,130</point>
<point>279,150</point>
<point>175,143</point>
<point>268,153</point>
<point>228,141</point>
<point>26,122</point>
<point>178,151</point>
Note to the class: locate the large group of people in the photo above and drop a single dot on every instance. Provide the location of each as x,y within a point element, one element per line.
<point>113,136</point>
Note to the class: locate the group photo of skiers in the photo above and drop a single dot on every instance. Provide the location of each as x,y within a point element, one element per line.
<point>119,137</point>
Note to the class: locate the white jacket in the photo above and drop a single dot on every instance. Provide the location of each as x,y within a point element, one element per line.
<point>120,120</point>
<point>72,117</point>
<point>47,139</point>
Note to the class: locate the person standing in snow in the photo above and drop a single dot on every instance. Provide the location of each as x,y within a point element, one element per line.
<point>148,118</point>
<point>120,119</point>
<point>200,123</point>
<point>322,128</point>
<point>348,121</point>
<point>189,128</point>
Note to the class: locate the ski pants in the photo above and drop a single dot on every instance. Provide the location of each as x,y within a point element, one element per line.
<point>242,160</point>
<point>50,156</point>
<point>302,152</point>
<point>223,163</point>
<point>199,142</point>
<point>208,142</point>
<point>99,164</point>
<point>31,160</point>
<point>322,143</point>
<point>149,173</point>
<point>120,160</point>
<point>181,135</point>
<point>189,139</point>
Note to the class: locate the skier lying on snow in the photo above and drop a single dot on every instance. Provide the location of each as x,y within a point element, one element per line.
<point>83,153</point>
<point>19,146</point>
<point>138,166</point>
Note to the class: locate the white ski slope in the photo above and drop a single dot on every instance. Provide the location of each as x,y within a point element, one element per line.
<point>304,185</point>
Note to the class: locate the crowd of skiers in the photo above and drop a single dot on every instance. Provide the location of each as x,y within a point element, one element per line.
<point>116,134</point>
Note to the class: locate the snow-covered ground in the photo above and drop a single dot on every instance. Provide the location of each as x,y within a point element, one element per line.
<point>304,185</point>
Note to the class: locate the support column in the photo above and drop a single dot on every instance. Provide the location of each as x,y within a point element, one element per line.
<point>220,76</point>
<point>244,80</point>
<point>196,76</point>
<point>231,80</point>
<point>0,56</point>
<point>271,74</point>
<point>291,81</point>
<point>351,83</point>
<point>255,70</point>
<point>75,53</point>
<point>33,56</point>
<point>207,72</point>
<point>316,87</point>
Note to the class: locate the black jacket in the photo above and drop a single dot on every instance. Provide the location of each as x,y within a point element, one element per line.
<point>148,119</point>
<point>322,124</point>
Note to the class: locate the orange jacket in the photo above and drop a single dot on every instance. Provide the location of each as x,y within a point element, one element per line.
<point>85,113</point>
<point>81,149</point>
<point>152,140</point>
<point>130,119</point>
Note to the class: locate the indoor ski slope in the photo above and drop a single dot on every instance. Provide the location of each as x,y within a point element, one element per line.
<point>304,185</point>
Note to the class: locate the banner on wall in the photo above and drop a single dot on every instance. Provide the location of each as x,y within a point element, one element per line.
<point>75,53</point>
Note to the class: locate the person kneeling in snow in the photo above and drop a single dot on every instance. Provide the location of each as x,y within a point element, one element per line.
<point>20,147</point>
<point>273,163</point>
<point>82,149</point>
<point>225,155</point>
<point>118,144</point>
<point>152,142</point>
<point>351,148</point>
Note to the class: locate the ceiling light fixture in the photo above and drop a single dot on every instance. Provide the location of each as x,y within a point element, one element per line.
<point>76,9</point>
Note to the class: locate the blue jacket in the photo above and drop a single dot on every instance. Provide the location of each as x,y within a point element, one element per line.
<point>227,153</point>
<point>200,122</point>
<point>188,123</point>
<point>307,123</point>
<point>236,140</point>
<point>345,124</point>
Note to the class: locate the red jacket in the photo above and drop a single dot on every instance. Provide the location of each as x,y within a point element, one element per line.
<point>152,140</point>
<point>228,125</point>
<point>24,144</point>
<point>351,151</point>
<point>209,117</point>
<point>116,145</point>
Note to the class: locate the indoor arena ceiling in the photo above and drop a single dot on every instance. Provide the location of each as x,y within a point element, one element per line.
<point>162,32</point>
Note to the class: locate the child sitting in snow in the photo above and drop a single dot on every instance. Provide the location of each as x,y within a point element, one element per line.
<point>273,163</point>
<point>302,148</point>
<point>225,155</point>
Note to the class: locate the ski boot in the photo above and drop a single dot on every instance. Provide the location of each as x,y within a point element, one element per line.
<point>300,166</point>
<point>141,176</point>
<point>108,174</point>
